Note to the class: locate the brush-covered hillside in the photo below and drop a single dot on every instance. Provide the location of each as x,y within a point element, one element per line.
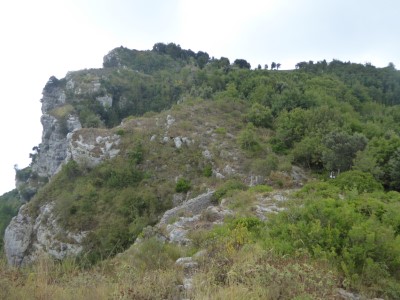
<point>170,174</point>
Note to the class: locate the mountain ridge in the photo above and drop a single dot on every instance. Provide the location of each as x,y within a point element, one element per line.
<point>153,130</point>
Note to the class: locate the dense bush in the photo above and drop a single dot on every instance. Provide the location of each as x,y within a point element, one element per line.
<point>183,185</point>
<point>358,233</point>
<point>362,182</point>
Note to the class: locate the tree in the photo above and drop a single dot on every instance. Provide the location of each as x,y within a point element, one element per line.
<point>266,67</point>
<point>248,138</point>
<point>301,65</point>
<point>394,170</point>
<point>202,59</point>
<point>290,127</point>
<point>224,62</point>
<point>242,64</point>
<point>273,65</point>
<point>308,152</point>
<point>278,65</point>
<point>160,48</point>
<point>341,149</point>
<point>260,116</point>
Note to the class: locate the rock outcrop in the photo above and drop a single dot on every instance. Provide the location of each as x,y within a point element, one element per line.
<point>91,146</point>
<point>26,238</point>
<point>63,139</point>
<point>53,148</point>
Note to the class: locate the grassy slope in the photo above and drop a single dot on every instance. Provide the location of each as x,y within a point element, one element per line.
<point>273,261</point>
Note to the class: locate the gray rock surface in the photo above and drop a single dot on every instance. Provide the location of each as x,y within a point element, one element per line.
<point>192,206</point>
<point>53,148</point>
<point>26,238</point>
<point>17,237</point>
<point>92,146</point>
<point>106,101</point>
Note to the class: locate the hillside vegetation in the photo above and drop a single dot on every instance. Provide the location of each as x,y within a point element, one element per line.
<point>190,124</point>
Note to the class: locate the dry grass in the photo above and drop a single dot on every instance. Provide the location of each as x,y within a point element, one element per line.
<point>254,273</point>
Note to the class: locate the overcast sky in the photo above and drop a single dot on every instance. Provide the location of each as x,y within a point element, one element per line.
<point>42,38</point>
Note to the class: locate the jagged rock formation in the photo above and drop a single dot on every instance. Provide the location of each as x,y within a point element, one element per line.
<point>92,146</point>
<point>60,120</point>
<point>26,238</point>
<point>53,148</point>
<point>63,139</point>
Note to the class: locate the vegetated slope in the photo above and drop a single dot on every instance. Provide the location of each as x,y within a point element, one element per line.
<point>250,125</point>
<point>9,205</point>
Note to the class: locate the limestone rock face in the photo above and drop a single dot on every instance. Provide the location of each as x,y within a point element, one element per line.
<point>194,206</point>
<point>27,238</point>
<point>31,234</point>
<point>91,146</point>
<point>17,237</point>
<point>53,148</point>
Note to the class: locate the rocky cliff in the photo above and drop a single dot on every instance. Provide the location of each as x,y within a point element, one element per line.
<point>63,139</point>
<point>27,237</point>
<point>53,148</point>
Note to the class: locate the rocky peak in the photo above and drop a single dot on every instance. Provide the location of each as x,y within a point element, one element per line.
<point>53,148</point>
<point>53,95</point>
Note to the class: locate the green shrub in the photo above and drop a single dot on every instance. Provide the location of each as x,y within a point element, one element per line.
<point>71,169</point>
<point>261,189</point>
<point>182,185</point>
<point>260,116</point>
<point>363,182</point>
<point>356,234</point>
<point>220,130</point>
<point>265,166</point>
<point>229,185</point>
<point>248,139</point>
<point>136,155</point>
<point>120,132</point>
<point>207,171</point>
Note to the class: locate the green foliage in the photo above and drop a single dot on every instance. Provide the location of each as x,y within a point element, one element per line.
<point>111,201</point>
<point>260,189</point>
<point>248,139</point>
<point>207,171</point>
<point>242,64</point>
<point>227,187</point>
<point>320,113</point>
<point>137,154</point>
<point>356,233</point>
<point>362,182</point>
<point>9,205</point>
<point>72,169</point>
<point>260,116</point>
<point>308,152</point>
<point>290,127</point>
<point>323,116</point>
<point>220,130</point>
<point>341,149</point>
<point>265,166</point>
<point>118,175</point>
<point>183,185</point>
